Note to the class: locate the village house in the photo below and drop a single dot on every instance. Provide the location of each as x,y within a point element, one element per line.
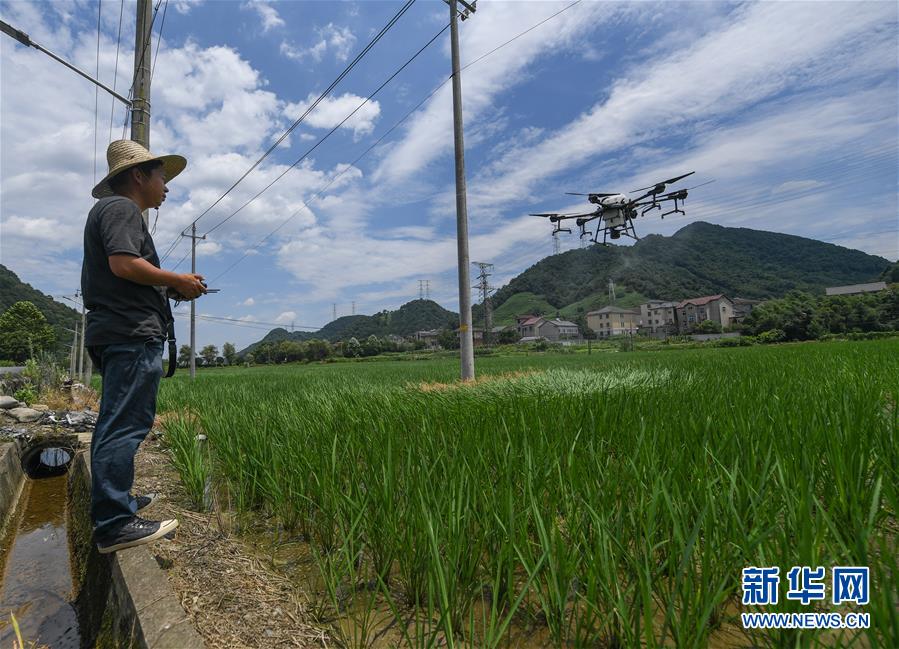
<point>743,307</point>
<point>557,330</point>
<point>693,311</point>
<point>613,321</point>
<point>658,318</point>
<point>856,289</point>
<point>528,325</point>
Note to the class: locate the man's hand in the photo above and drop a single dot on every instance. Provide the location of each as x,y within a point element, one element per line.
<point>188,285</point>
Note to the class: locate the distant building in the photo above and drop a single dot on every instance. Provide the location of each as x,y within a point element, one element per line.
<point>528,325</point>
<point>717,308</point>
<point>429,337</point>
<point>558,330</point>
<point>613,321</point>
<point>658,318</point>
<point>856,289</point>
<point>743,307</point>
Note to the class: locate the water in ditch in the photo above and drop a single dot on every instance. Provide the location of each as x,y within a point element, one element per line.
<point>37,577</point>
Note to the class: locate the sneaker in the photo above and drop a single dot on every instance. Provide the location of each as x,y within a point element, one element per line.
<point>146,500</point>
<point>136,531</point>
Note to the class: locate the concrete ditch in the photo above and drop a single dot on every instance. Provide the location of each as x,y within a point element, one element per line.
<point>121,600</point>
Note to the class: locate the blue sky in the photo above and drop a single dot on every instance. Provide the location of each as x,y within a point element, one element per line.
<point>790,107</point>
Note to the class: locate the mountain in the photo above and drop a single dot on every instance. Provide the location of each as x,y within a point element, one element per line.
<point>60,316</point>
<point>413,316</point>
<point>699,259</point>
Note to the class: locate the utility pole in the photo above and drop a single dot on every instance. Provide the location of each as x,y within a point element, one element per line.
<point>140,102</point>
<point>80,368</point>
<point>193,303</point>
<point>466,344</point>
<point>485,289</point>
<point>74,351</point>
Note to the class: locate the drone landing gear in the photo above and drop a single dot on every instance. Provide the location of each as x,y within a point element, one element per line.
<point>654,206</point>
<point>676,210</point>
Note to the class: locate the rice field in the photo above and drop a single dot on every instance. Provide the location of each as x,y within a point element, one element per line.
<point>609,500</point>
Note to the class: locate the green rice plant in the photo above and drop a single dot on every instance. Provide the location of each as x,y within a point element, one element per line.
<point>189,457</point>
<point>608,499</point>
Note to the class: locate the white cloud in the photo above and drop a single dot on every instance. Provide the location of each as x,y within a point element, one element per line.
<point>430,132</point>
<point>793,185</point>
<point>332,110</point>
<point>184,7</point>
<point>331,38</point>
<point>765,49</point>
<point>208,248</point>
<point>267,14</point>
<point>248,302</point>
<point>286,317</point>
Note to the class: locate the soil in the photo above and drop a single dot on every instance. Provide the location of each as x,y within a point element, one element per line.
<point>233,598</point>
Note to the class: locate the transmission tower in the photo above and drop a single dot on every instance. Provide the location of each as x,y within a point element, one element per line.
<point>611,290</point>
<point>485,290</point>
<point>354,308</point>
<point>334,311</point>
<point>424,289</point>
<point>557,244</point>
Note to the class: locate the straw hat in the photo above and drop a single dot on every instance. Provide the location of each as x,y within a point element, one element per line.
<point>124,154</point>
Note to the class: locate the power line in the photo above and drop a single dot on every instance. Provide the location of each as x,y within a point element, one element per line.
<point>308,110</point>
<point>250,322</point>
<point>115,74</point>
<point>329,133</point>
<point>165,9</point>
<point>140,63</point>
<point>97,90</point>
<point>384,136</point>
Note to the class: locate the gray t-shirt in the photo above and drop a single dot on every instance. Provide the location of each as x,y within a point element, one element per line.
<point>119,310</point>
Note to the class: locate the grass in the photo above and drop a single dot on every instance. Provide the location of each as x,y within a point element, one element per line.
<point>609,500</point>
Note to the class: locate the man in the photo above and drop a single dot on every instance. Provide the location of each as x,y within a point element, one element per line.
<point>128,315</point>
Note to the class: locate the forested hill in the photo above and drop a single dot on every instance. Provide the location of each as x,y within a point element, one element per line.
<point>409,318</point>
<point>60,316</point>
<point>699,259</point>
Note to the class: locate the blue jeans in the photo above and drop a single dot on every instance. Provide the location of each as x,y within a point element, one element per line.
<point>131,374</point>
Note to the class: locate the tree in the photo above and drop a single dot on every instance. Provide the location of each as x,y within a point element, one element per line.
<point>24,332</point>
<point>352,348</point>
<point>371,346</point>
<point>209,352</point>
<point>448,339</point>
<point>318,350</point>
<point>184,356</point>
<point>708,327</point>
<point>229,353</point>
<point>508,336</point>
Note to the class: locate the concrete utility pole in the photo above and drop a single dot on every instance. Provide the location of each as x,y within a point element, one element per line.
<point>466,343</point>
<point>74,351</point>
<point>140,102</point>
<point>485,290</point>
<point>193,303</point>
<point>80,368</point>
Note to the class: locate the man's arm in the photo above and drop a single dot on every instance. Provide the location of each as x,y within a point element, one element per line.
<point>140,271</point>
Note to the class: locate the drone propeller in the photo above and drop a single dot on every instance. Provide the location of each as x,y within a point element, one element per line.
<point>663,183</point>
<point>669,194</point>
<point>590,194</point>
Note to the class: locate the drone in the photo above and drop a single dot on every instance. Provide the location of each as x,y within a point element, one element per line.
<point>616,212</point>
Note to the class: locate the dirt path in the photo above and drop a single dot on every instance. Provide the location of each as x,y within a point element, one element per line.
<point>234,600</point>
